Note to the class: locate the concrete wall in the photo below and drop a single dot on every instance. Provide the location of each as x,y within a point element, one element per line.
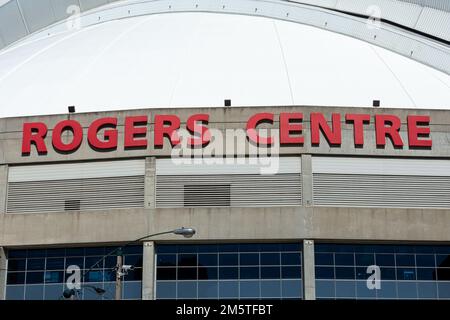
<point>3,188</point>
<point>3,273</point>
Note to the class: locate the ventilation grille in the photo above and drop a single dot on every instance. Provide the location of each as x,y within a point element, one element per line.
<point>385,191</point>
<point>228,190</point>
<point>77,194</point>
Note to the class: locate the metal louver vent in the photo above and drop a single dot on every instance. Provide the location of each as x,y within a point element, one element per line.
<point>225,185</point>
<point>56,188</point>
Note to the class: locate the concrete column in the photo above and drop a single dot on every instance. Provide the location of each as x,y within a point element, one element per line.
<point>150,183</point>
<point>307,181</point>
<point>3,272</point>
<point>309,278</point>
<point>148,271</point>
<point>3,187</point>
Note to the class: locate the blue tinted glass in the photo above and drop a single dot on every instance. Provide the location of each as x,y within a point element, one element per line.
<point>94,262</point>
<point>207,273</point>
<point>361,273</point>
<point>228,259</point>
<point>208,248</point>
<point>89,293</point>
<point>132,290</point>
<point>407,290</point>
<point>364,259</point>
<point>97,251</point>
<point>187,260</point>
<point>166,274</point>
<point>34,292</point>
<point>427,290</point>
<point>74,252</point>
<point>443,274</point>
<point>16,278</point>
<point>207,259</point>
<point>443,261</point>
<point>54,277</point>
<point>166,290</point>
<point>270,259</point>
<point>425,260</point>
<point>345,289</point>
<point>35,264</point>
<point>134,275</point>
<point>228,247</point>
<point>426,274</point>
<point>363,292</point>
<point>291,289</point>
<point>291,259</point>
<point>291,272</point>
<point>345,273</point>
<point>35,277</point>
<point>208,289</point>
<point>405,260</point>
<point>270,247</point>
<point>228,289</point>
<point>250,247</point>
<point>249,259</point>
<point>291,247</point>
<point>187,273</point>
<point>110,262</point>
<point>344,259</point>
<point>388,274</point>
<point>324,259</point>
<point>166,260</point>
<point>325,289</point>
<point>55,264</point>
<point>53,292</point>
<point>388,290</point>
<point>166,248</point>
<point>16,264</point>
<point>190,248</point>
<point>249,289</point>
<point>133,260</point>
<point>94,276</point>
<point>187,290</point>
<point>405,249</point>
<point>15,292</point>
<point>270,272</point>
<point>56,252</point>
<point>271,289</point>
<point>444,290</point>
<point>406,274</point>
<point>110,275</point>
<point>75,262</point>
<point>442,249</point>
<point>36,253</point>
<point>133,250</point>
<point>228,273</point>
<point>17,254</point>
<point>385,260</point>
<point>324,247</point>
<point>249,272</point>
<point>324,273</point>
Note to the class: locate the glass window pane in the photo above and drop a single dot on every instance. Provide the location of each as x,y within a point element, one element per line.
<point>133,260</point>
<point>228,289</point>
<point>36,253</point>
<point>228,259</point>
<point>249,289</point>
<point>324,273</point>
<point>94,262</point>
<point>56,252</point>
<point>110,262</point>
<point>94,276</point>
<point>407,290</point>
<point>16,278</point>
<point>36,264</point>
<point>166,248</point>
<point>270,272</point>
<point>291,289</point>
<point>425,260</point>
<point>406,274</point>
<point>324,259</point>
<point>363,292</point>
<point>291,272</point>
<point>133,275</point>
<point>443,274</point>
<point>16,264</point>
<point>228,247</point>
<point>346,289</point>
<point>292,259</point>
<point>75,252</point>
<point>187,260</point>
<point>443,261</point>
<point>249,272</point>
<point>34,292</point>
<point>405,260</point>
<point>385,260</point>
<point>166,290</point>
<point>95,251</point>
<point>53,292</point>
<point>345,273</point>
<point>388,290</point>
<point>15,292</point>
<point>207,273</point>
<point>361,273</point>
<point>426,274</point>
<point>166,274</point>
<point>208,289</point>
<point>208,248</point>
<point>290,247</point>
<point>17,254</point>
<point>271,289</point>
<point>444,290</point>
<point>207,259</point>
<point>228,273</point>
<point>271,259</point>
<point>427,290</point>
<point>187,290</point>
<point>249,259</point>
<point>54,277</point>
<point>365,259</point>
<point>344,259</point>
<point>187,273</point>
<point>388,274</point>
<point>35,277</point>
<point>55,264</point>
<point>166,260</point>
<point>75,262</point>
<point>132,290</point>
<point>325,289</point>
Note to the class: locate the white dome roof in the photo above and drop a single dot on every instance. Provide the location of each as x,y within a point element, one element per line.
<point>200,59</point>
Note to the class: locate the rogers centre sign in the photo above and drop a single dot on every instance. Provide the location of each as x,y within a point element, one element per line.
<point>102,134</point>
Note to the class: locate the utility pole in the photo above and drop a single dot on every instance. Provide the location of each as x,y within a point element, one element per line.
<point>119,268</point>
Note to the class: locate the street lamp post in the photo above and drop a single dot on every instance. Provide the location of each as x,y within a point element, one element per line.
<point>185,232</point>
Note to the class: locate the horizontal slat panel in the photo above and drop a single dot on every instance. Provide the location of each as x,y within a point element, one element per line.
<point>245,190</point>
<point>384,191</point>
<point>70,171</point>
<point>381,166</point>
<point>76,194</point>
<point>217,166</point>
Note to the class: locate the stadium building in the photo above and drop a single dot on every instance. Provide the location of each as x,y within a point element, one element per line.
<point>325,175</point>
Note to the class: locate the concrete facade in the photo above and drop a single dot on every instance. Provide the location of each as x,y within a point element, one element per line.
<point>148,277</point>
<point>3,273</point>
